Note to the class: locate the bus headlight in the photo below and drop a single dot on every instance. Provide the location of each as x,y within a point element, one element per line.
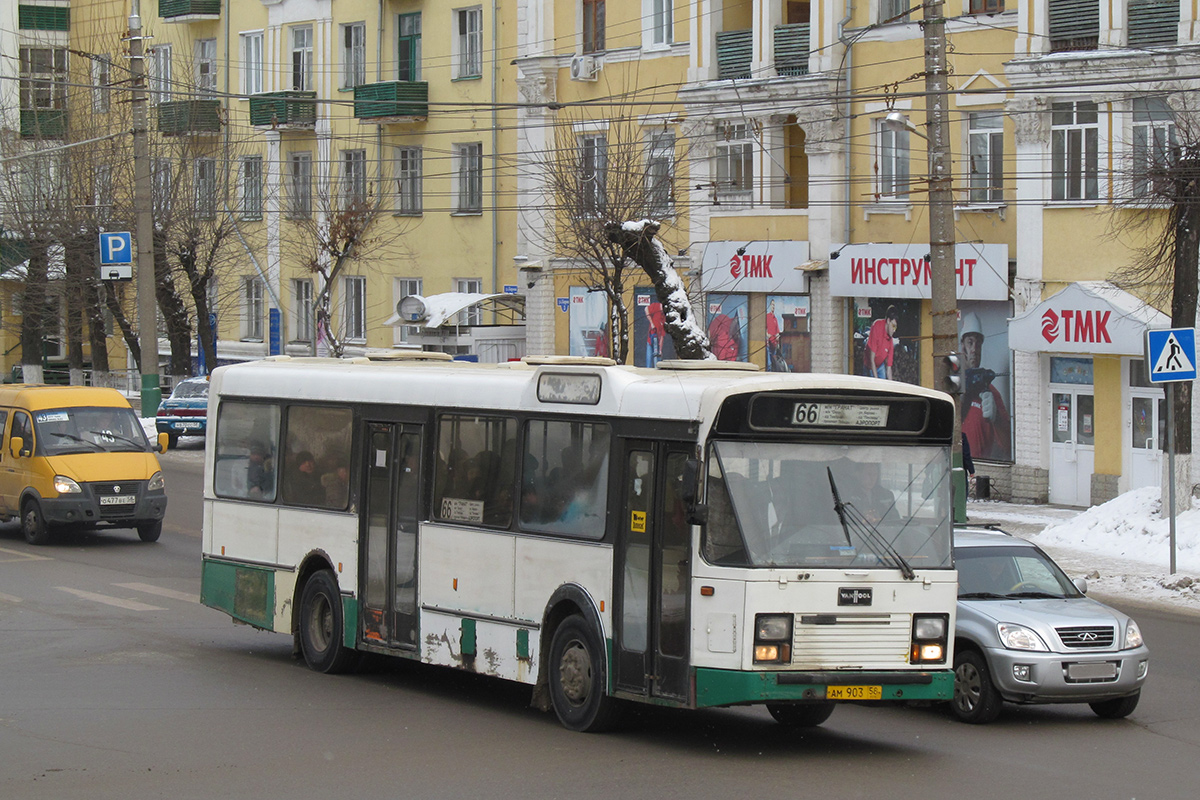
<point>156,483</point>
<point>64,485</point>
<point>773,638</point>
<point>929,634</point>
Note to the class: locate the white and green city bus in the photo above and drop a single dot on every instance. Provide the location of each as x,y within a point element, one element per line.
<point>699,534</point>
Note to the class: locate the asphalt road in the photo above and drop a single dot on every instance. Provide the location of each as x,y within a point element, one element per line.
<point>116,683</point>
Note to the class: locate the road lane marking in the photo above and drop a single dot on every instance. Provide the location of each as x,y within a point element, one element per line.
<point>129,605</point>
<point>8,598</point>
<point>7,555</point>
<point>161,592</point>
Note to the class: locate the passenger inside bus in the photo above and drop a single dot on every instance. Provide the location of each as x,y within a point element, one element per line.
<point>260,472</point>
<point>302,484</point>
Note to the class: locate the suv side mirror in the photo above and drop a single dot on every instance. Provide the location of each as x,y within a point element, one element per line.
<point>1081,585</point>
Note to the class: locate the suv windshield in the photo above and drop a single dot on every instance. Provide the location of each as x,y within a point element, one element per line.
<point>88,430</point>
<point>773,505</point>
<point>995,573</point>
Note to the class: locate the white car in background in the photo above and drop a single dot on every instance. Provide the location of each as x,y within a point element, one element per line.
<point>1027,634</point>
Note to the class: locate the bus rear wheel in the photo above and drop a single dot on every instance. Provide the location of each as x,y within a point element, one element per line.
<point>800,715</point>
<point>578,683</point>
<point>321,625</point>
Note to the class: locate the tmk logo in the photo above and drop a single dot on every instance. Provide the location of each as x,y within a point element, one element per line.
<point>1089,327</point>
<point>750,266</point>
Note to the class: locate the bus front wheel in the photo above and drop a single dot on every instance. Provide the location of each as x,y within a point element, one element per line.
<point>321,625</point>
<point>577,678</point>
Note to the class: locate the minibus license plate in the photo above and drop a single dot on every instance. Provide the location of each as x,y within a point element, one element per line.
<point>118,499</point>
<point>854,692</point>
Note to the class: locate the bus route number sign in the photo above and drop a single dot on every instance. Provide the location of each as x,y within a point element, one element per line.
<point>845,415</point>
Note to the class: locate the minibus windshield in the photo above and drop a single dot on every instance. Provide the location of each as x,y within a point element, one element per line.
<point>61,431</point>
<point>773,505</point>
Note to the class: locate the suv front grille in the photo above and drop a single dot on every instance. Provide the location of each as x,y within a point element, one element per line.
<point>1087,637</point>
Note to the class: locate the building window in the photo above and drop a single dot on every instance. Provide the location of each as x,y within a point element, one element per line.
<point>101,83</point>
<point>1155,145</point>
<point>733,163</point>
<point>891,163</point>
<point>985,6</point>
<point>472,315</point>
<point>986,147</point>
<point>251,187</point>
<point>206,67</point>
<point>102,191</point>
<point>593,26</point>
<point>1074,25</point>
<point>408,180</point>
<point>206,188</point>
<point>408,47</point>
<point>252,309</point>
<point>593,174</point>
<point>43,78</point>
<point>402,288</point>
<point>159,70</point>
<point>354,55</point>
<point>302,58</point>
<point>252,62</point>
<point>302,310</point>
<point>663,20</point>
<point>1074,142</point>
<point>469,168</point>
<point>893,11</point>
<point>469,24</point>
<point>1153,23</point>
<point>162,186</point>
<point>355,293</point>
<point>354,177</point>
<point>660,173</point>
<point>300,185</point>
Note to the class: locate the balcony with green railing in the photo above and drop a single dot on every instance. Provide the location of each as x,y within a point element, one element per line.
<point>791,50</point>
<point>398,100</point>
<point>287,109</point>
<point>43,123</point>
<point>189,116</point>
<point>189,10</point>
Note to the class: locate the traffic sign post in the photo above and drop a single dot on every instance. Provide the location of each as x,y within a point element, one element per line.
<point>1171,359</point>
<point>116,256</point>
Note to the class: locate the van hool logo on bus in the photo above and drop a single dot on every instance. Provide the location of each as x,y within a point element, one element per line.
<point>853,596</point>
<point>1076,326</point>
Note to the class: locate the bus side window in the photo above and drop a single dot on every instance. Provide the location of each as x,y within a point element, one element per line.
<point>475,470</point>
<point>316,463</point>
<point>3,424</point>
<point>565,480</point>
<point>247,445</point>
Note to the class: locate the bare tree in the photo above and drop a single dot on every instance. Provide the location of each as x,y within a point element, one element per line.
<point>597,180</point>
<point>1162,209</point>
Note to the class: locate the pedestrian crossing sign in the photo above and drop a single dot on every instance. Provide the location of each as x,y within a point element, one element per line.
<point>1171,355</point>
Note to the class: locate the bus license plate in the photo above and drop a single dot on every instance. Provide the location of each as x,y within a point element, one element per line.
<point>118,499</point>
<point>854,692</point>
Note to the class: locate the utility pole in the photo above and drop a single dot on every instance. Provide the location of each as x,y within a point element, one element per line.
<point>943,289</point>
<point>147,301</point>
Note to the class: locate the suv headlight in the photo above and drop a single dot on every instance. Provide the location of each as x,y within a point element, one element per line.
<point>156,483</point>
<point>1018,637</point>
<point>1133,635</point>
<point>64,485</point>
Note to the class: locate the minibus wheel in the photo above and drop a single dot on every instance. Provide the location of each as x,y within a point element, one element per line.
<point>150,531</point>
<point>578,682</point>
<point>33,524</point>
<point>321,624</point>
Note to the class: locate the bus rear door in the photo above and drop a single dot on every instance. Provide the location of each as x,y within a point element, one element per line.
<point>390,513</point>
<point>652,572</point>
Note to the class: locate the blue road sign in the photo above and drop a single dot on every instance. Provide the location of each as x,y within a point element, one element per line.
<point>116,248</point>
<point>564,303</point>
<point>1171,355</point>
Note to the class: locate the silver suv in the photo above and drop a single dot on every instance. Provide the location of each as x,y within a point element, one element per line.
<point>1027,634</point>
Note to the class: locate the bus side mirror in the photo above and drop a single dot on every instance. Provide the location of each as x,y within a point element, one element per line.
<point>16,444</point>
<point>691,471</point>
<point>698,514</point>
<point>164,441</point>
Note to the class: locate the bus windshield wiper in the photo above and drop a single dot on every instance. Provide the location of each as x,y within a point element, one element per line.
<point>111,435</point>
<point>869,534</point>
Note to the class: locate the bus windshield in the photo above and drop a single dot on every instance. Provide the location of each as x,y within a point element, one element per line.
<point>773,505</point>
<point>89,430</point>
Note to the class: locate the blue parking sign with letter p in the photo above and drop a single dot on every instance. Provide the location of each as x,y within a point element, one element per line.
<point>116,248</point>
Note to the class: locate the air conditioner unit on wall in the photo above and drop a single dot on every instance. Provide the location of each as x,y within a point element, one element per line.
<point>584,68</point>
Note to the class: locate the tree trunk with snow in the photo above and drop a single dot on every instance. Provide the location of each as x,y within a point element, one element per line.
<point>637,241</point>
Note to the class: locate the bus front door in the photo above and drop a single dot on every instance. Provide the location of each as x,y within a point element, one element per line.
<point>652,573</point>
<point>391,510</point>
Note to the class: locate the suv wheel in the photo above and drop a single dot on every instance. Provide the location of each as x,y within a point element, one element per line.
<point>976,700</point>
